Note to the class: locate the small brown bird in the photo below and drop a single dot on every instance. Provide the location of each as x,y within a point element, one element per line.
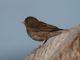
<point>38,30</point>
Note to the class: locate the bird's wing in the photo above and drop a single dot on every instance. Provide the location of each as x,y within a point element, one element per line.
<point>47,27</point>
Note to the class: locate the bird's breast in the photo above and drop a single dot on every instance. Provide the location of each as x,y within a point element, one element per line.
<point>30,30</point>
<point>38,36</point>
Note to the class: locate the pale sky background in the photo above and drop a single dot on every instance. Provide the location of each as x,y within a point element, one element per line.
<point>15,44</point>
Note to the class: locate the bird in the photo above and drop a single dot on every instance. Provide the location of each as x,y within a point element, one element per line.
<point>40,31</point>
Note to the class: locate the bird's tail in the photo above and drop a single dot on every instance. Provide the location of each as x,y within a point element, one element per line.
<point>60,29</point>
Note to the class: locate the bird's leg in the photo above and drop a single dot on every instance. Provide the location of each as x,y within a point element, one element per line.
<point>44,42</point>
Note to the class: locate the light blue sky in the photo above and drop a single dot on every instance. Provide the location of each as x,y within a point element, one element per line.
<point>14,42</point>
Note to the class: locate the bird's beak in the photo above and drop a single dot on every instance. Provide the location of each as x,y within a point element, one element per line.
<point>23,22</point>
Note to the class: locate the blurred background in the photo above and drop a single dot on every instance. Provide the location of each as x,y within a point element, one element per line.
<point>15,44</point>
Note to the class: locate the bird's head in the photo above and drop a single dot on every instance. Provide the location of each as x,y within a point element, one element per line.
<point>30,21</point>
